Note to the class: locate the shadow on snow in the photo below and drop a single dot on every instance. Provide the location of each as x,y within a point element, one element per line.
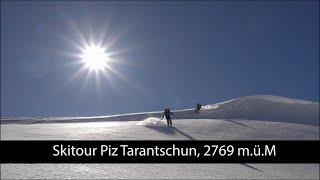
<point>170,131</point>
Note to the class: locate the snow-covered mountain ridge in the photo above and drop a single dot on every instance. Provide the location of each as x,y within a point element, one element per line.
<point>257,107</point>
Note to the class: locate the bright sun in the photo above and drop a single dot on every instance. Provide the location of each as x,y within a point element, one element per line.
<point>95,58</point>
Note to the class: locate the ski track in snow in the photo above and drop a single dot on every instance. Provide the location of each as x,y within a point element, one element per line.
<point>289,120</point>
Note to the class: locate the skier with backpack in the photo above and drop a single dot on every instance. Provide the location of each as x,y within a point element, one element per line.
<point>198,107</point>
<point>167,114</point>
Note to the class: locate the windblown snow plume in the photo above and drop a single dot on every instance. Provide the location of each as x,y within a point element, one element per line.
<point>151,121</point>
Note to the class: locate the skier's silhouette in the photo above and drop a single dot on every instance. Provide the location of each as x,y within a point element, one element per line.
<point>167,114</point>
<point>198,107</point>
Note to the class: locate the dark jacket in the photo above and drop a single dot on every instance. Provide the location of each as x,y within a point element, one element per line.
<point>167,113</point>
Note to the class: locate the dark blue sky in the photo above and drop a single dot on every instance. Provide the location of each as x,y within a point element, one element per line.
<point>169,54</point>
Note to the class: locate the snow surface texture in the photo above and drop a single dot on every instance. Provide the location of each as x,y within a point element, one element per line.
<point>247,118</point>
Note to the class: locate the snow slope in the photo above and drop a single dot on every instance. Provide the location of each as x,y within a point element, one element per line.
<point>268,108</point>
<point>259,107</point>
<point>246,118</point>
<point>154,129</point>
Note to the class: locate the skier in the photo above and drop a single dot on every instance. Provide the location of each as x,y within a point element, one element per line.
<point>198,107</point>
<point>167,114</point>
